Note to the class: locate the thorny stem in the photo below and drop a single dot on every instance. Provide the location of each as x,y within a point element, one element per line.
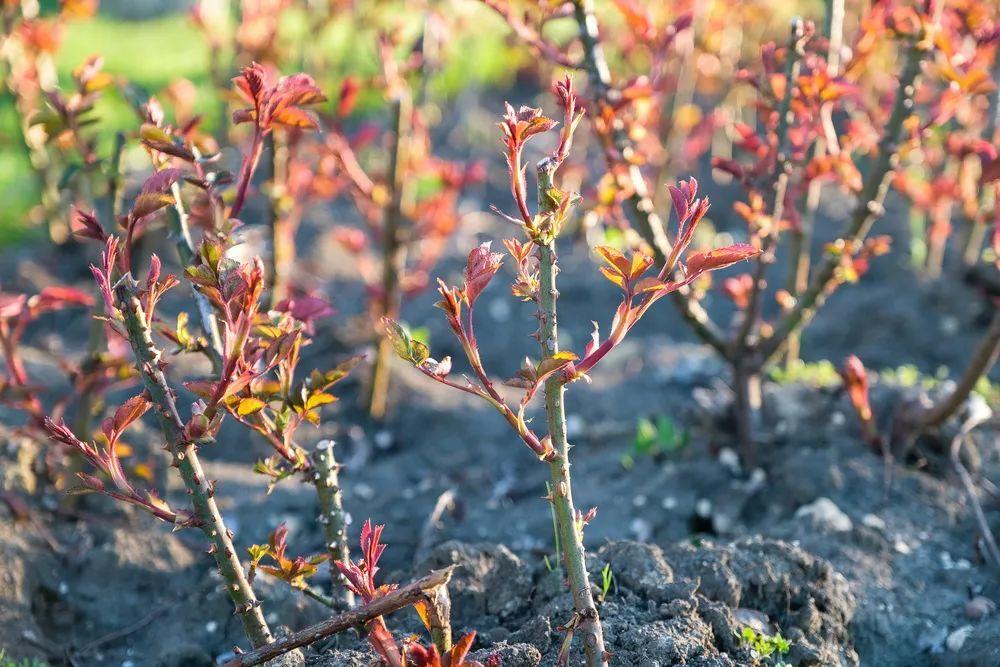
<point>393,252</point>
<point>181,230</point>
<point>398,599</point>
<point>640,205</point>
<point>870,207</point>
<point>186,460</point>
<point>587,622</point>
<point>332,517</point>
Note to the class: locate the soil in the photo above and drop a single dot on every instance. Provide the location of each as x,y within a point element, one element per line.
<point>812,543</point>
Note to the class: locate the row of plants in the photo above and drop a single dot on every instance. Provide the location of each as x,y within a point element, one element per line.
<point>808,115</point>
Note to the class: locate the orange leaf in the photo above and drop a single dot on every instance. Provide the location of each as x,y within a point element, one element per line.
<point>700,262</point>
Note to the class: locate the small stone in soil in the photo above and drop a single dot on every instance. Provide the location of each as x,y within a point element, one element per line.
<point>825,514</point>
<point>979,607</point>
<point>956,640</point>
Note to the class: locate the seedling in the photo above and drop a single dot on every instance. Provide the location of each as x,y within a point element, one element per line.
<point>607,579</point>
<point>767,649</point>
<point>654,438</point>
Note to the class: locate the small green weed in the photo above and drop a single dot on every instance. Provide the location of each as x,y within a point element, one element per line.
<point>767,649</point>
<point>607,579</point>
<point>653,438</point>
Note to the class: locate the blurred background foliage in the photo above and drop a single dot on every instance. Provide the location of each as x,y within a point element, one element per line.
<point>151,44</point>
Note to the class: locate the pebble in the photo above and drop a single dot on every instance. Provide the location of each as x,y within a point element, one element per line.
<point>641,529</point>
<point>756,481</point>
<point>873,521</point>
<point>825,513</point>
<point>383,439</point>
<point>669,503</point>
<point>956,640</point>
<point>730,460</point>
<point>948,563</point>
<point>703,508</point>
<point>979,607</point>
<point>211,626</point>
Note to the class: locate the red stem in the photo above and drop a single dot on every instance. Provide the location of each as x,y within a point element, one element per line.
<point>247,169</point>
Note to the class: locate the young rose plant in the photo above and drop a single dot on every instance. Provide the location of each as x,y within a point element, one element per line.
<point>536,265</point>
<point>408,210</point>
<point>254,351</point>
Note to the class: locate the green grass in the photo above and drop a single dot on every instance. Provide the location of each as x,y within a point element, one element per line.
<point>150,53</point>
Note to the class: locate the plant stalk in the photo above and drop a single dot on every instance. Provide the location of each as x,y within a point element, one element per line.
<point>332,517</point>
<point>588,623</point>
<point>393,253</point>
<point>283,225</point>
<point>747,388</point>
<point>186,460</point>
<point>180,228</point>
<point>437,604</point>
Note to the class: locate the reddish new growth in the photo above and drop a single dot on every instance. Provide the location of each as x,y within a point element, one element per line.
<point>856,384</point>
<point>360,578</point>
<point>274,103</point>
<point>105,459</point>
<point>429,656</point>
<point>17,312</point>
<point>631,274</point>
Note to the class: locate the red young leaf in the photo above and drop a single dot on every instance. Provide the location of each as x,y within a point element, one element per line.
<point>161,181</point>
<point>125,415</point>
<point>479,270</point>
<point>86,225</point>
<point>700,262</point>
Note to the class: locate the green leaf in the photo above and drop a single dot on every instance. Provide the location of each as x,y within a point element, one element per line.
<point>405,346</point>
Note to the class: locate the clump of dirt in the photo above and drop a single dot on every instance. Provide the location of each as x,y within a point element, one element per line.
<point>688,612</point>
